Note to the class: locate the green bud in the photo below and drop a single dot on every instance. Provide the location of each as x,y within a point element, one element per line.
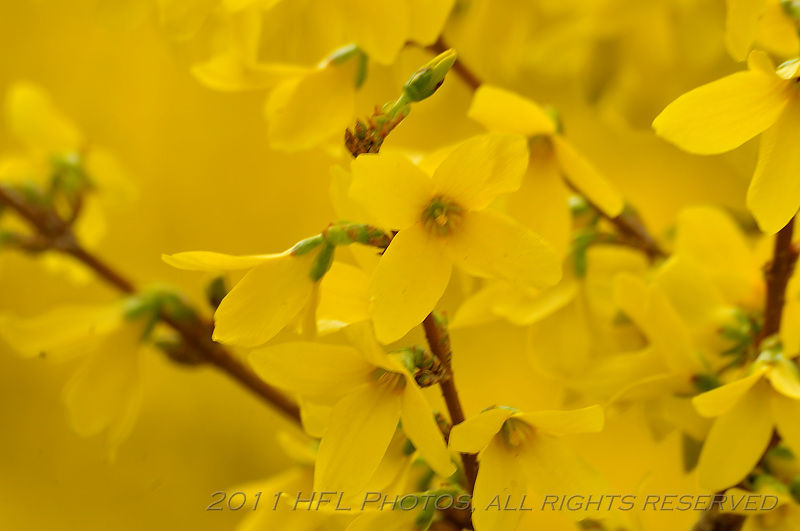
<point>348,233</point>
<point>427,79</point>
<point>322,263</point>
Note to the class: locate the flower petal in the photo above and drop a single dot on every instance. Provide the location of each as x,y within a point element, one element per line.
<point>482,168</point>
<point>474,434</point>
<point>500,479</point>
<point>104,393</point>
<point>421,428</point>
<point>361,427</point>
<point>426,19</point>
<point>264,301</point>
<point>588,419</point>
<point>209,261</point>
<point>502,110</point>
<point>737,441</point>
<point>312,369</point>
<point>786,411</point>
<point>586,179</point>
<point>718,401</point>
<point>723,114</point>
<point>741,24</point>
<point>60,333</point>
<point>392,189</point>
<point>774,193</point>
<point>407,283</point>
<point>552,467</point>
<point>182,19</point>
<point>493,246</point>
<point>305,111</point>
<point>343,298</point>
<point>34,120</point>
<point>378,28</point>
<point>785,378</point>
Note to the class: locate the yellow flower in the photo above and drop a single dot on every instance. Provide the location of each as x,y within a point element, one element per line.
<point>541,202</point>
<point>724,114</point>
<point>53,145</point>
<point>442,222</point>
<point>104,394</point>
<point>372,392</point>
<point>269,296</point>
<point>765,22</point>
<point>521,451</point>
<point>747,410</point>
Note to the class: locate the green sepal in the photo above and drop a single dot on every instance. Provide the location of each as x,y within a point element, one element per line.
<point>322,263</point>
<point>154,302</point>
<point>307,245</point>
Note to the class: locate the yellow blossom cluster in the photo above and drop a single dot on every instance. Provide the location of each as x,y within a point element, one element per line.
<point>399,264</point>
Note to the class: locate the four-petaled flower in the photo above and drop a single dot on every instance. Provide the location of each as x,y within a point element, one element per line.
<point>442,222</point>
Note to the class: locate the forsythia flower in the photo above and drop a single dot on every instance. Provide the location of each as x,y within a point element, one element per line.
<point>724,114</point>
<point>372,391</point>
<point>542,201</point>
<point>520,451</point>
<point>768,398</point>
<point>269,296</point>
<point>442,222</point>
<point>104,394</point>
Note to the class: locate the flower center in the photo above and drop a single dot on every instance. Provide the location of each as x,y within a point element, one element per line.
<point>516,432</point>
<point>442,216</point>
<point>393,380</point>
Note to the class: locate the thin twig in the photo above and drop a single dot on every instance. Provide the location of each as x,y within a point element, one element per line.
<point>195,332</point>
<point>777,275</point>
<point>439,343</point>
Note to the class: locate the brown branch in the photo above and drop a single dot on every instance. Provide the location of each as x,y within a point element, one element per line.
<point>439,342</point>
<point>466,75</point>
<point>777,274</point>
<point>194,332</point>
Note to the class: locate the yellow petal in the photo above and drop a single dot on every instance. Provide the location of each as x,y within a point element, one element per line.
<point>303,112</point>
<point>542,204</point>
<point>710,238</point>
<point>724,114</point>
<point>501,110</point>
<point>361,427</point>
<point>586,179</point>
<point>423,431</point>
<point>500,478</point>
<point>227,72</point>
<point>718,401</point>
<point>390,188</point>
<point>670,335</point>
<point>209,261</point>
<point>552,467</point>
<point>104,394</point>
<point>786,411</point>
<point>60,333</point>
<point>34,119</point>
<point>312,369</point>
<point>183,18</point>
<point>741,24</point>
<point>474,434</point>
<point>426,19</point>
<point>482,168</point>
<point>588,419</point>
<point>524,309</point>
<point>343,298</point>
<point>378,28</point>
<point>737,441</point>
<point>264,301</point>
<point>493,246</point>
<point>774,193</point>
<point>407,283</point>
<point>785,378</point>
